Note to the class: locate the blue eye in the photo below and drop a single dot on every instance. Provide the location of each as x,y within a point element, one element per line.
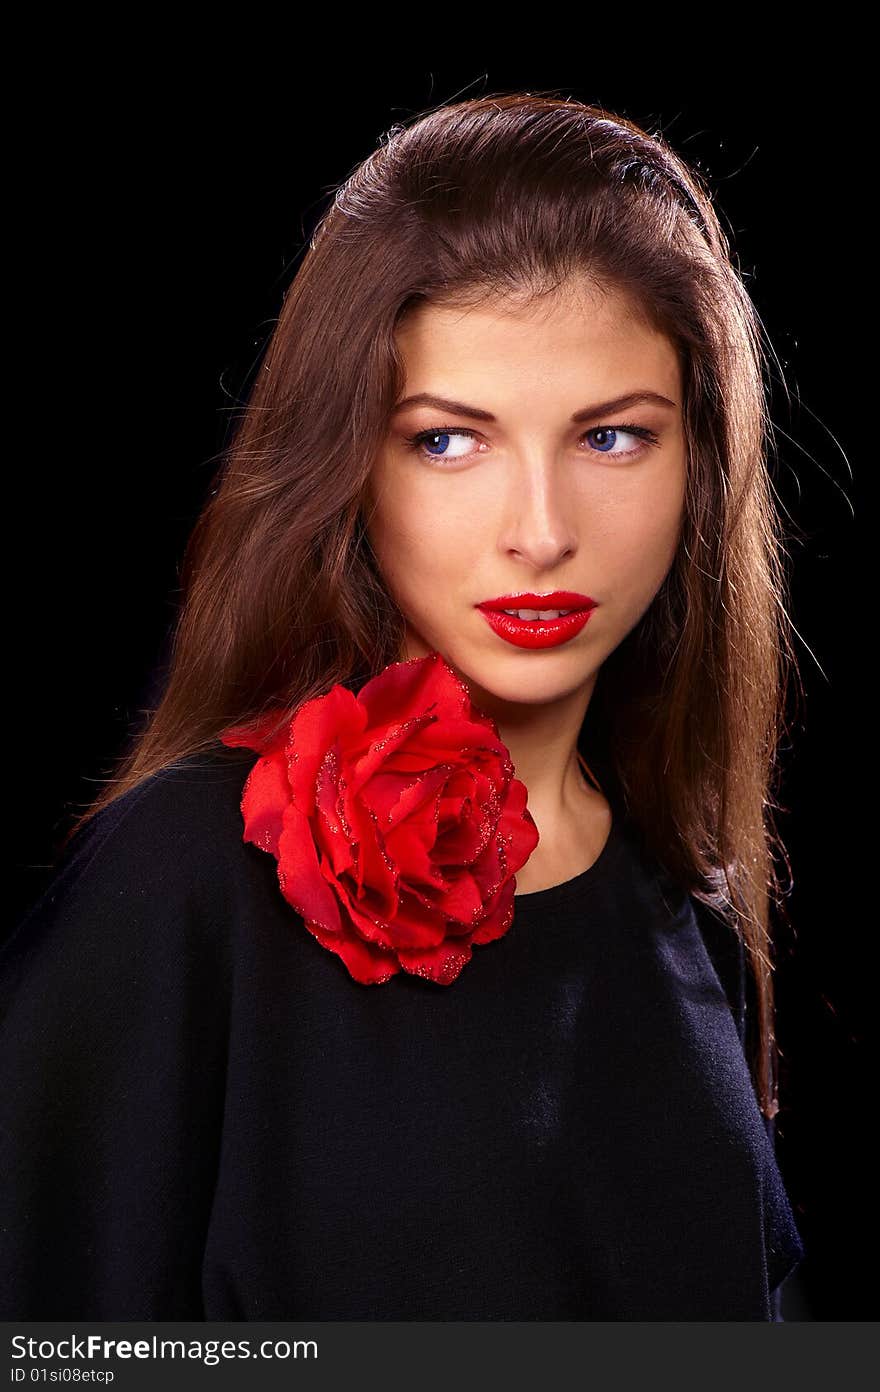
<point>441,438</point>
<point>425,442</point>
<point>605,430</point>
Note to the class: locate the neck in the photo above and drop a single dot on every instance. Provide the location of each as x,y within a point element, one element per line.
<point>542,740</point>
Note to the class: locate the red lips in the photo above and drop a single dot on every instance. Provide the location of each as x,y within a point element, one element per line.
<point>538,633</point>
<point>557,599</point>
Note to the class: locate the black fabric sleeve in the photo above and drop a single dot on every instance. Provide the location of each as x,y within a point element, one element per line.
<point>728,953</point>
<point>113,1002</point>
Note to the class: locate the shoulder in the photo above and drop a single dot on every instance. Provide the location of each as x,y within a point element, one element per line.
<point>185,805</point>
<point>116,987</point>
<point>168,843</point>
<point>721,944</point>
<point>727,953</point>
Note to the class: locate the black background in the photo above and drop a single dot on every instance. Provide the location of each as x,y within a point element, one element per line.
<point>163,211</point>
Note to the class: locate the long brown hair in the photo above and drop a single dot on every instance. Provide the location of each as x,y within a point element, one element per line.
<point>281,594</point>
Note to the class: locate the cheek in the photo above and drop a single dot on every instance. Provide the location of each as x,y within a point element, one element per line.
<point>416,542</point>
<point>641,534</point>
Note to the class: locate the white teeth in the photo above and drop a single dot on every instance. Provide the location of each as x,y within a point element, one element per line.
<point>536,613</point>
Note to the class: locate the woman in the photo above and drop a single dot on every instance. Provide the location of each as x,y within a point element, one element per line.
<point>417,964</point>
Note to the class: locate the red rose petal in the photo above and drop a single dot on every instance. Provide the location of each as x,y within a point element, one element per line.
<point>368,965</point>
<point>336,716</point>
<point>461,901</point>
<point>383,746</point>
<point>410,837</point>
<point>375,869</point>
<point>331,829</point>
<point>420,795</point>
<point>463,842</point>
<point>441,964</point>
<point>409,930</point>
<point>267,733</point>
<point>518,827</point>
<point>498,921</point>
<point>451,811</point>
<point>299,873</point>
<point>265,795</point>
<point>416,685</point>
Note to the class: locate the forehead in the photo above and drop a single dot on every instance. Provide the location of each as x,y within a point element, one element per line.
<point>577,331</point>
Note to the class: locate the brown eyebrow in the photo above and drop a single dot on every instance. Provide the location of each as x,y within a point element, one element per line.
<point>604,408</point>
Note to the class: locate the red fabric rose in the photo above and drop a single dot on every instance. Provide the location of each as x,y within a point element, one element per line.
<point>395,818</point>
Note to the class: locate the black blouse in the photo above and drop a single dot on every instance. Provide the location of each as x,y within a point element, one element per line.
<point>205,1117</point>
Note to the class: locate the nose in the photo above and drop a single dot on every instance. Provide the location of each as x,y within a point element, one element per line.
<point>538,515</point>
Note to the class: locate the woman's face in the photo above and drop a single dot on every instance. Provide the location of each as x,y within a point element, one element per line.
<point>507,493</point>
